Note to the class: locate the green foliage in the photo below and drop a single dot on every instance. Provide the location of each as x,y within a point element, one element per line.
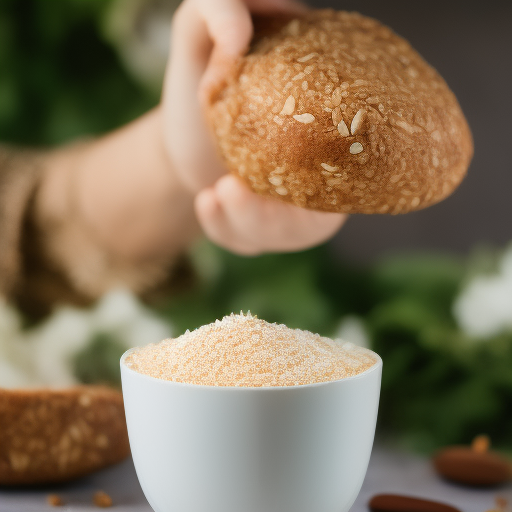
<point>58,79</point>
<point>98,363</point>
<point>439,386</point>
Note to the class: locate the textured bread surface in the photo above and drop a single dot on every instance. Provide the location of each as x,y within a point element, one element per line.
<point>50,436</point>
<point>333,111</point>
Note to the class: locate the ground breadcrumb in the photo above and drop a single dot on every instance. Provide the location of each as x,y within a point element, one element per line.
<point>244,351</point>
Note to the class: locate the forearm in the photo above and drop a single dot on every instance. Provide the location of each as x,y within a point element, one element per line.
<point>96,208</point>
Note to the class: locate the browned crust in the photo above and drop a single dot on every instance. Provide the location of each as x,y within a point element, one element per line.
<point>49,436</point>
<point>416,142</point>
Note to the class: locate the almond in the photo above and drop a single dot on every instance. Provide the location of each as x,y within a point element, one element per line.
<point>54,500</point>
<point>102,500</point>
<point>399,503</point>
<point>473,466</point>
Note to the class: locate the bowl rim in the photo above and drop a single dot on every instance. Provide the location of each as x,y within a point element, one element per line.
<point>377,366</point>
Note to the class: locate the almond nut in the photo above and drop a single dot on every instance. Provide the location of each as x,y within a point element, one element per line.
<point>399,503</point>
<point>102,500</point>
<point>54,500</point>
<point>473,466</point>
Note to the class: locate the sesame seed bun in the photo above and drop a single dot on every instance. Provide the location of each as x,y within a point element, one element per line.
<point>50,436</point>
<point>333,111</point>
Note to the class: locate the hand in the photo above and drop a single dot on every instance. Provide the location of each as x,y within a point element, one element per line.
<point>207,37</point>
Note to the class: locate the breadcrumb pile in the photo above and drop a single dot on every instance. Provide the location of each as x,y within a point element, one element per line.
<point>244,351</point>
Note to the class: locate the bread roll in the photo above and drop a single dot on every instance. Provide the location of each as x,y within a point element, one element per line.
<point>334,112</point>
<point>49,436</point>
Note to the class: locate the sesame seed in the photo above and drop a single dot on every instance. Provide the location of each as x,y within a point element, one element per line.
<point>329,168</point>
<point>289,106</point>
<point>307,57</point>
<point>436,135</point>
<point>412,72</point>
<point>407,127</point>
<point>282,191</point>
<point>336,116</point>
<point>343,129</point>
<point>336,96</point>
<point>276,180</point>
<point>415,202</point>
<point>333,75</point>
<point>356,148</point>
<point>304,118</point>
<point>293,28</point>
<point>357,121</point>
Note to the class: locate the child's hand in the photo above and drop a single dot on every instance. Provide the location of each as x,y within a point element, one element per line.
<point>207,36</point>
<point>235,218</point>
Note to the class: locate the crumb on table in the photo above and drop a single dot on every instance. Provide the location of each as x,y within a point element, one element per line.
<point>102,499</point>
<point>54,500</point>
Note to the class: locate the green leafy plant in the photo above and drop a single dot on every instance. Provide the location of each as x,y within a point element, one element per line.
<point>98,363</point>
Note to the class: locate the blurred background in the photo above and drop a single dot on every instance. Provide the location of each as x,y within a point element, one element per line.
<point>430,291</point>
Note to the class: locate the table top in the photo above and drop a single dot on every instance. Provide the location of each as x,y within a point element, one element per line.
<point>389,472</point>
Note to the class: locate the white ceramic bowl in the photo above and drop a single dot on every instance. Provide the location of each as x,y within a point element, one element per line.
<point>273,449</point>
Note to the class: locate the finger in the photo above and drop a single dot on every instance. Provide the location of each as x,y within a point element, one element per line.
<point>216,225</point>
<point>241,206</point>
<point>199,26</point>
<point>185,129</point>
<point>230,41</point>
<point>272,225</point>
<point>230,28</point>
<point>228,23</point>
<point>311,228</point>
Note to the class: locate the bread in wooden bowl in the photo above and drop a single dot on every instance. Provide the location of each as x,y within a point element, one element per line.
<point>333,111</point>
<point>50,436</point>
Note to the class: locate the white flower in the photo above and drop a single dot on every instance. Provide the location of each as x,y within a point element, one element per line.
<point>15,364</point>
<point>352,329</point>
<point>484,307</point>
<point>122,314</point>
<point>56,342</point>
<point>44,355</point>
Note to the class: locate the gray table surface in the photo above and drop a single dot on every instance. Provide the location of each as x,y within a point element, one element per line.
<point>389,472</point>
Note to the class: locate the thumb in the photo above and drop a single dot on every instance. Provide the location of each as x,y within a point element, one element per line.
<point>198,27</point>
